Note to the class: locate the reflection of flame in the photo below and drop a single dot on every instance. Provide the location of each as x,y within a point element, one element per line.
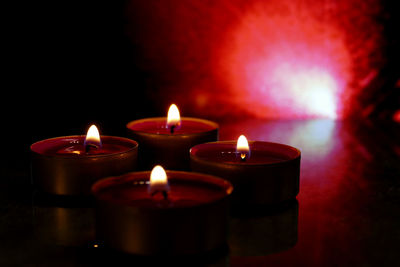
<point>158,180</point>
<point>242,147</point>
<point>317,134</point>
<point>174,117</point>
<point>93,137</point>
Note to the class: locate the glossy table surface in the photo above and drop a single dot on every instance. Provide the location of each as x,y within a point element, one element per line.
<point>347,211</point>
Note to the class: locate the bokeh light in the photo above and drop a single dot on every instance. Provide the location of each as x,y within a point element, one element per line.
<point>278,59</point>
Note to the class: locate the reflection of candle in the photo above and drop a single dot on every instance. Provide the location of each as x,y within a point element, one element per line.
<point>167,141</point>
<point>267,230</point>
<point>269,175</point>
<point>134,216</point>
<point>69,165</point>
<point>65,226</point>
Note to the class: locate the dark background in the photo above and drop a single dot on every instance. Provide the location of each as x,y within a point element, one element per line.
<point>70,64</point>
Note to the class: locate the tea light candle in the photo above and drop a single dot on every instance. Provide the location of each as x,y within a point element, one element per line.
<point>262,173</point>
<point>69,165</point>
<point>170,212</point>
<point>167,141</point>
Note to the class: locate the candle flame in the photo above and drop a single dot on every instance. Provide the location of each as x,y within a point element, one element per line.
<point>242,147</point>
<point>158,180</point>
<point>93,137</point>
<point>174,118</point>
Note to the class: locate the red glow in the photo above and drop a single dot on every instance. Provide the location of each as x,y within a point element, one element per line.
<point>269,59</point>
<point>396,116</point>
<point>290,66</point>
<point>293,59</point>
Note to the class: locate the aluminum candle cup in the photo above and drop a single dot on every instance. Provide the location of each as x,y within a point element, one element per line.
<point>63,165</point>
<point>159,146</point>
<point>190,219</point>
<point>269,175</point>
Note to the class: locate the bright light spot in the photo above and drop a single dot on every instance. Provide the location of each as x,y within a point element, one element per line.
<point>292,65</point>
<point>289,86</point>
<point>313,91</point>
<point>275,59</point>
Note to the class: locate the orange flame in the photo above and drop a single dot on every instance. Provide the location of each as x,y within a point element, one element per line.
<point>158,180</point>
<point>242,147</point>
<point>93,137</point>
<point>174,117</point>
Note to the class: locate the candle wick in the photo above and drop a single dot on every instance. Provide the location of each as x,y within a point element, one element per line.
<point>163,192</point>
<point>165,195</point>
<point>90,146</point>
<point>172,128</point>
<point>242,157</point>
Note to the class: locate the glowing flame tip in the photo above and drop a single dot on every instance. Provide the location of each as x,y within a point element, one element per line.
<point>174,117</point>
<point>93,137</point>
<point>158,180</point>
<point>242,147</point>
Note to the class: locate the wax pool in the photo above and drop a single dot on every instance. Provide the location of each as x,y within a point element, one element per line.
<point>183,194</point>
<point>75,147</point>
